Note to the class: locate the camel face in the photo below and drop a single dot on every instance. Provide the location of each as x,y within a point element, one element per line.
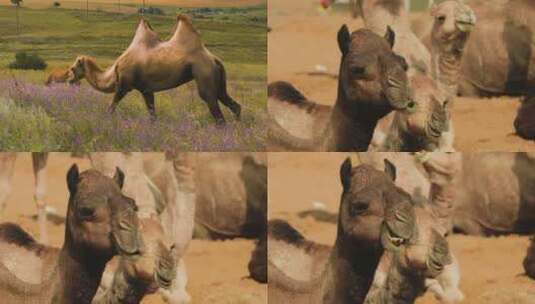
<point>77,70</point>
<point>367,192</point>
<point>370,70</point>
<point>453,23</point>
<point>98,210</point>
<point>428,115</point>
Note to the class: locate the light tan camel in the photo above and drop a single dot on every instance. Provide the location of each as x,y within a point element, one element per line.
<point>166,212</point>
<point>428,126</point>
<point>61,76</point>
<point>150,65</point>
<point>101,223</point>
<point>7,165</point>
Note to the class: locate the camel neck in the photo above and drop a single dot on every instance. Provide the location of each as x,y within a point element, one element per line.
<point>101,80</point>
<point>80,273</point>
<point>446,69</point>
<point>400,287</point>
<point>353,268</point>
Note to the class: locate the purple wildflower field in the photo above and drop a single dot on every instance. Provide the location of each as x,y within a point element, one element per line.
<point>79,121</point>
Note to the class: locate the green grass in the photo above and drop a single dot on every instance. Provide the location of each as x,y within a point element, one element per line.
<point>237,35</point>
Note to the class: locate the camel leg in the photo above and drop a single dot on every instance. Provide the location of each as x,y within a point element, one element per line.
<point>177,294</point>
<point>222,93</point>
<point>149,102</point>
<point>119,94</point>
<point>213,106</point>
<point>7,164</point>
<point>39,163</point>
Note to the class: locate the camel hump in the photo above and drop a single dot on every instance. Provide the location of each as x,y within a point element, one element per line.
<point>14,234</point>
<point>285,91</point>
<point>524,123</point>
<point>283,231</point>
<point>185,18</point>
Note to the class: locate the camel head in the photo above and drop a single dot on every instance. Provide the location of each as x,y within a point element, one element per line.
<point>367,192</point>
<point>101,221</point>
<point>413,252</point>
<point>77,69</point>
<point>453,23</point>
<point>370,71</point>
<point>427,115</point>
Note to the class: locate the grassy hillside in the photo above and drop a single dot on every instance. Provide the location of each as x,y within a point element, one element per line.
<point>236,35</point>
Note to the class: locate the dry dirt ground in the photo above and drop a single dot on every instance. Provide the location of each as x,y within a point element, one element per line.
<point>304,36</point>
<point>217,270</point>
<point>491,268</point>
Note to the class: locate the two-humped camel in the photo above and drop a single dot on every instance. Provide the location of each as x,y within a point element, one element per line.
<point>151,65</point>
<point>433,73</point>
<point>7,165</point>
<point>101,223</point>
<point>372,211</point>
<point>61,76</point>
<point>372,83</point>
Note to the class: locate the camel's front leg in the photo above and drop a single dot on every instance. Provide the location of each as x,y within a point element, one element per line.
<point>177,294</point>
<point>119,94</point>
<point>149,102</point>
<point>39,163</point>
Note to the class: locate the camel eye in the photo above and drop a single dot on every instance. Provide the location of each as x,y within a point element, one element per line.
<point>86,213</point>
<point>441,18</point>
<point>357,71</point>
<point>358,208</point>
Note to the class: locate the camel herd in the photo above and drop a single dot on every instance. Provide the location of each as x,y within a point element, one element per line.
<point>459,55</point>
<point>151,65</point>
<point>136,244</point>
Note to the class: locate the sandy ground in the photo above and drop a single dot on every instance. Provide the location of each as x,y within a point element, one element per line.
<point>217,270</point>
<point>303,36</point>
<point>491,267</point>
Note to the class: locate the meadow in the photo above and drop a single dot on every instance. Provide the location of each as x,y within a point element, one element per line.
<point>34,117</point>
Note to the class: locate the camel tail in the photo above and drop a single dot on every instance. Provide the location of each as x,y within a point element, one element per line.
<point>284,91</point>
<point>222,84</point>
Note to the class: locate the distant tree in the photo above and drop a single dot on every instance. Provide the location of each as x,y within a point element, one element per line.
<point>17,4</point>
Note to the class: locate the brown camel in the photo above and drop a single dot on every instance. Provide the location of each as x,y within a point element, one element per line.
<point>295,271</point>
<point>524,123</point>
<point>372,83</point>
<point>406,264</point>
<point>150,65</point>
<point>7,165</point>
<point>101,222</point>
<point>433,74</point>
<point>61,76</point>
<point>128,280</point>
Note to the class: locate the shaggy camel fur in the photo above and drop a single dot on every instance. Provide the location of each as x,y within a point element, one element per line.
<point>61,76</point>
<point>295,271</point>
<point>524,123</point>
<point>432,75</point>
<point>101,222</point>
<point>7,164</point>
<point>372,83</point>
<point>407,264</point>
<point>150,65</point>
<point>131,280</point>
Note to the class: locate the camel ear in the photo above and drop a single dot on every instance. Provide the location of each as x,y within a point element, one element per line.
<point>73,175</point>
<point>344,38</point>
<point>390,36</point>
<point>390,170</point>
<point>345,173</point>
<point>119,177</point>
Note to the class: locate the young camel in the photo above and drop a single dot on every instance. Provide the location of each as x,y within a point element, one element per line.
<point>372,83</point>
<point>101,223</point>
<point>61,76</point>
<point>150,65</point>
<point>7,165</point>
